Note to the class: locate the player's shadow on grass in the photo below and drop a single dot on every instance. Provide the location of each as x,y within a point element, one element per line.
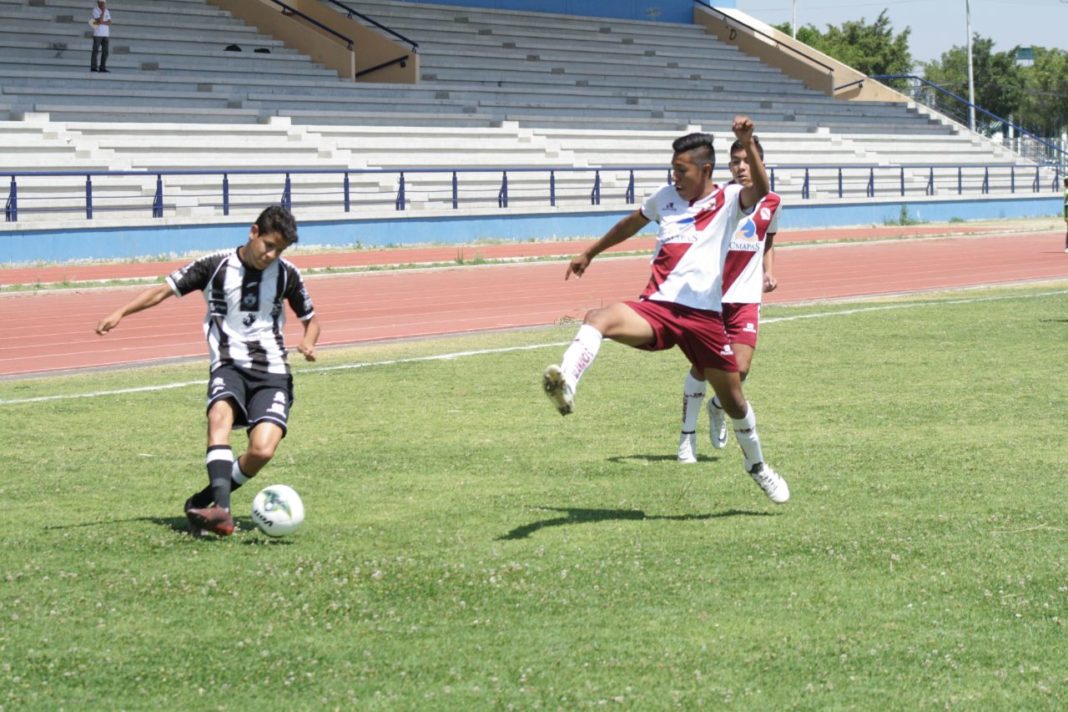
<point>181,524</point>
<point>619,459</point>
<point>585,516</point>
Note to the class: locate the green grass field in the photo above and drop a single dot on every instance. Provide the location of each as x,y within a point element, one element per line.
<point>467,548</point>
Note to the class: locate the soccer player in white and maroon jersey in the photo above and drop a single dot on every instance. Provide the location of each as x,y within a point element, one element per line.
<point>250,383</point>
<point>748,273</point>
<point>682,303</point>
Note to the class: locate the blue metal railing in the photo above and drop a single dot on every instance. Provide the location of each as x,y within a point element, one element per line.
<point>1054,149</point>
<point>870,180</point>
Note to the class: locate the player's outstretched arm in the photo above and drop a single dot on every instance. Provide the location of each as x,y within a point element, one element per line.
<point>743,131</point>
<point>623,230</point>
<point>145,300</point>
<point>311,337</point>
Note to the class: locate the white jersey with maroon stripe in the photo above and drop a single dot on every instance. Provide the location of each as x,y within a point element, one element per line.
<point>743,270</point>
<point>687,266</point>
<point>245,319</point>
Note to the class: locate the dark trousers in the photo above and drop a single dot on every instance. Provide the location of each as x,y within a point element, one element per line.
<point>99,43</point>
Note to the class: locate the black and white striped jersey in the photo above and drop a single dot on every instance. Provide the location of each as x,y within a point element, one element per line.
<point>245,318</point>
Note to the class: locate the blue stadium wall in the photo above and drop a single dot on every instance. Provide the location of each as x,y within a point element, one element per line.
<point>659,10</point>
<point>31,246</point>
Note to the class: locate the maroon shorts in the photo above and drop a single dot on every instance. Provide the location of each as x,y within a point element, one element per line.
<point>742,322</point>
<point>698,333</point>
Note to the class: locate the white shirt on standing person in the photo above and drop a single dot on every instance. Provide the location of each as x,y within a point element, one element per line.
<point>101,20</point>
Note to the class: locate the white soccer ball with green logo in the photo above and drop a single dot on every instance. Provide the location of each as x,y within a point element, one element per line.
<point>277,510</point>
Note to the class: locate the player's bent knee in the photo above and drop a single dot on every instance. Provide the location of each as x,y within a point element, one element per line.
<point>598,318</point>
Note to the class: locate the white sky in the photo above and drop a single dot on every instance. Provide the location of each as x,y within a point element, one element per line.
<point>937,25</point>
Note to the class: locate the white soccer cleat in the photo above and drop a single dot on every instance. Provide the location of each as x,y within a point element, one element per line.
<point>688,448</point>
<point>774,486</point>
<point>558,389</point>
<point>717,425</point>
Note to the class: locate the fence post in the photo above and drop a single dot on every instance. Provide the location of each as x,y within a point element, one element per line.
<point>287,194</point>
<point>986,179</point>
<point>772,176</point>
<point>552,188</point>
<point>871,182</point>
<point>804,188</point>
<point>157,200</point>
<point>902,181</point>
<point>1012,179</point>
<point>960,180</point>
<point>399,204</point>
<point>455,191</point>
<point>348,198</point>
<point>1036,187</point>
<point>502,195</point>
<point>226,194</point>
<point>630,188</point>
<point>88,197</point>
<point>11,209</point>
<point>839,181</point>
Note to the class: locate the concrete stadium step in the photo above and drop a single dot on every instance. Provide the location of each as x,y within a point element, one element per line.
<point>374,118</point>
<point>105,113</point>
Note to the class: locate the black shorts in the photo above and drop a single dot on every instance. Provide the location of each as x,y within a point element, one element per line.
<point>259,397</point>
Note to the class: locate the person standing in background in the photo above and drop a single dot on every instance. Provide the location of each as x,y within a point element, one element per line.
<point>1066,214</point>
<point>100,21</point>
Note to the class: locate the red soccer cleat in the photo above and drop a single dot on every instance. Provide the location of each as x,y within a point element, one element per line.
<point>213,519</point>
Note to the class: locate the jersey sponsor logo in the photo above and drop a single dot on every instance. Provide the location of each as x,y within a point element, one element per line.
<point>217,384</point>
<point>726,351</point>
<point>765,214</point>
<point>749,327</point>
<point>681,230</point>
<point>249,320</point>
<point>745,237</point>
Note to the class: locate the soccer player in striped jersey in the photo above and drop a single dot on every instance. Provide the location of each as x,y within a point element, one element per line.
<point>682,302</point>
<point>748,273</point>
<point>250,384</point>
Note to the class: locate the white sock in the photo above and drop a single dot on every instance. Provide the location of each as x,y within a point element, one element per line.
<point>746,432</point>
<point>239,478</point>
<point>693,396</point>
<point>580,354</point>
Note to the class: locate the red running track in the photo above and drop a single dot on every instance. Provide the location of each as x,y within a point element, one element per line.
<point>49,274</point>
<point>53,330</point>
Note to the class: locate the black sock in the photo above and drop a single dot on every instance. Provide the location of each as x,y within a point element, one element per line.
<point>220,459</point>
<point>206,496</point>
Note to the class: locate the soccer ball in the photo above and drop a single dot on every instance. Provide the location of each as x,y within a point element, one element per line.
<point>277,510</point>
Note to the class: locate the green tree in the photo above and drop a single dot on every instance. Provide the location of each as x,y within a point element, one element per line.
<point>869,48</point>
<point>1043,109</point>
<point>999,82</point>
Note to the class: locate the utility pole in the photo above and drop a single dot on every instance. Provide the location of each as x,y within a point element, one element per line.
<point>793,23</point>
<point>971,77</point>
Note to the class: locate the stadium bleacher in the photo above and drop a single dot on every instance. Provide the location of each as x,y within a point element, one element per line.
<point>499,89</point>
